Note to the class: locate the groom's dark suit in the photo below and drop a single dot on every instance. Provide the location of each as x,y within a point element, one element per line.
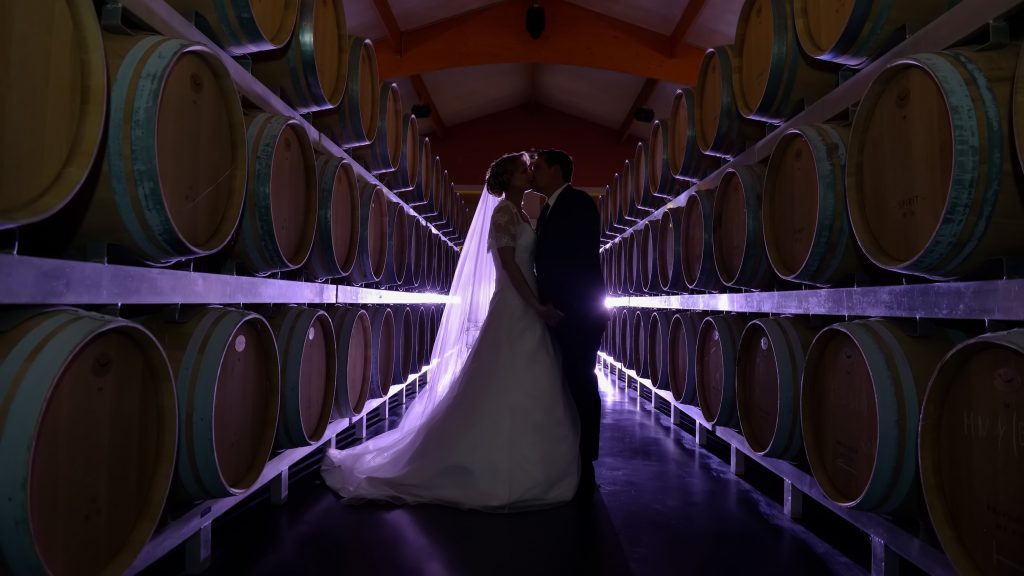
<point>569,278</point>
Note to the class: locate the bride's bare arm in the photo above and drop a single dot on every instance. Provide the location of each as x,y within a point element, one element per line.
<point>507,257</point>
<point>504,223</point>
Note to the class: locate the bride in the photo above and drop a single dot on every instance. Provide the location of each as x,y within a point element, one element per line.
<point>495,429</point>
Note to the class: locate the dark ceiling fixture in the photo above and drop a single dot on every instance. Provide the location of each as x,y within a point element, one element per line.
<point>535,20</point>
<point>643,115</point>
<point>421,111</point>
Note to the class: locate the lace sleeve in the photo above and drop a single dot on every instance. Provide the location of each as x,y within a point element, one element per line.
<point>504,222</point>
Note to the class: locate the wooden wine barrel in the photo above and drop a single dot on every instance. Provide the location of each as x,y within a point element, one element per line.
<point>421,192</point>
<point>1017,111</point>
<point>611,272</point>
<point>437,267</point>
<point>434,322</point>
<point>770,363</point>
<point>647,257</point>
<point>638,343</point>
<point>355,121</point>
<point>806,226</point>
<point>383,153</point>
<point>944,201</point>
<point>658,350</point>
<point>609,221</point>
<point>444,205</point>
<point>660,178</point>
<point>852,33</point>
<point>613,267</point>
<point>606,269</point>
<point>627,183</point>
<point>430,185</point>
<point>624,336</point>
<point>337,221</point>
<point>697,241</point>
<point>242,27</point>
<point>608,338</point>
<point>382,345</point>
<point>740,257</point>
<point>630,264</point>
<point>309,364</point>
<point>449,267</point>
<point>859,405</point>
<point>405,343</point>
<point>643,202</point>
<point>228,383</point>
<point>618,214</point>
<point>414,251</point>
<point>89,434</point>
<point>52,47</point>
<point>970,443</point>
<point>604,211</point>
<point>685,159</point>
<point>423,335</point>
<point>682,345</point>
<point>432,208</point>
<point>371,258</point>
<point>443,265</point>
<point>426,256</point>
<point>437,206</point>
<point>626,271</point>
<point>721,131</point>
<point>311,72</point>
<point>396,252</point>
<point>172,181</point>
<point>279,219</point>
<point>772,77</point>
<point>430,260</point>
<point>354,355</point>
<point>615,219</point>
<point>717,348</point>
<point>406,175</point>
<point>670,251</point>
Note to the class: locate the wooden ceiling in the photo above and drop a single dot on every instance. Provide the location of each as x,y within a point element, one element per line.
<point>597,60</point>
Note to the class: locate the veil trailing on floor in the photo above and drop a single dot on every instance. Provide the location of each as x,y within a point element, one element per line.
<point>468,301</point>
<point>387,455</point>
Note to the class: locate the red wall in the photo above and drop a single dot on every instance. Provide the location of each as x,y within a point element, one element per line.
<point>466,150</point>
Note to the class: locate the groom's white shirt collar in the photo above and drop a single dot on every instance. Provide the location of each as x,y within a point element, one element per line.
<point>553,197</point>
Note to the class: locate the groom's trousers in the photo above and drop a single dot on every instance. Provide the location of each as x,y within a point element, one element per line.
<point>579,343</point>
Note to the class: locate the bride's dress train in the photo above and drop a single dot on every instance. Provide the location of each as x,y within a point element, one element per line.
<point>501,433</point>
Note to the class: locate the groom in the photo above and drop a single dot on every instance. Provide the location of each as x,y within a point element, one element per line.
<point>569,278</point>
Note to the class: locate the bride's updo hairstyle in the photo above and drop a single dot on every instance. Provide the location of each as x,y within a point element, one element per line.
<point>499,175</point>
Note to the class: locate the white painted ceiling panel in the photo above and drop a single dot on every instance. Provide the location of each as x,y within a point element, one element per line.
<point>462,94</point>
<point>600,96</point>
<point>716,24</point>
<point>412,14</point>
<point>362,19</point>
<point>655,15</point>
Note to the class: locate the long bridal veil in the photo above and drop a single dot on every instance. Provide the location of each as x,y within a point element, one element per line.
<point>387,455</point>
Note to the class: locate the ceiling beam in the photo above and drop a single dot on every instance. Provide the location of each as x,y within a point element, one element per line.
<point>676,40</point>
<point>641,98</point>
<point>676,44</point>
<point>424,95</point>
<point>390,23</point>
<point>574,36</point>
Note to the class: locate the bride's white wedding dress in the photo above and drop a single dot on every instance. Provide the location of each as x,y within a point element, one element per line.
<point>505,434</point>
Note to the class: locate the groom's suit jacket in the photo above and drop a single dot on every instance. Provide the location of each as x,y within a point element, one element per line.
<point>567,259</point>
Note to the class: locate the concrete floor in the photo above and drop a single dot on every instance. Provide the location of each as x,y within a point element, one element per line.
<point>663,507</point>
